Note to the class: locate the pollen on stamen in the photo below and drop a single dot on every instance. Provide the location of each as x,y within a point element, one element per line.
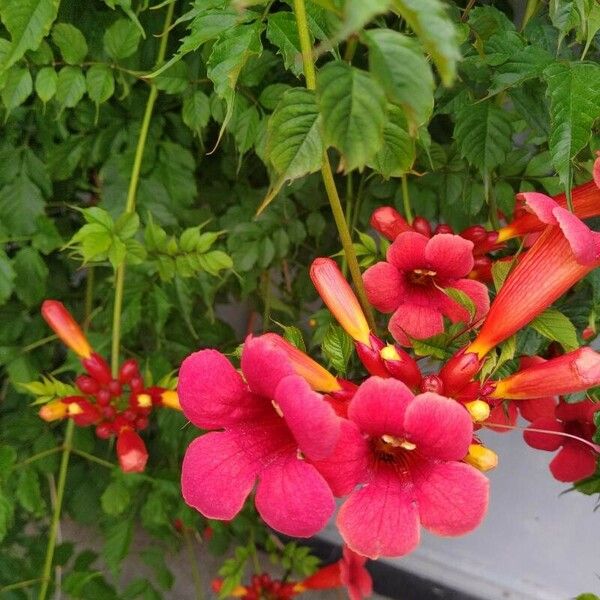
<point>277,408</point>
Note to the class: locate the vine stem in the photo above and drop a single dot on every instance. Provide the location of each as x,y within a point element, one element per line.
<point>60,492</point>
<point>406,200</point>
<point>326,172</point>
<point>132,190</point>
<point>193,565</point>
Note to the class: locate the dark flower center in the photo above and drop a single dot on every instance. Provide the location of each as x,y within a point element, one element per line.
<point>422,276</point>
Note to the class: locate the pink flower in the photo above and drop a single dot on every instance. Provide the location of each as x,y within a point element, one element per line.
<point>575,459</point>
<point>273,423</point>
<point>412,284</point>
<point>405,450</point>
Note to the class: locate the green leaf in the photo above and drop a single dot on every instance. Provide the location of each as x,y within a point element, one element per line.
<point>121,39</point>
<point>126,225</point>
<point>437,32</point>
<point>21,203</point>
<point>352,106</point>
<point>28,22</point>
<point>555,326</point>
<point>118,539</point>
<point>524,64</point>
<point>294,146</point>
<point>396,156</point>
<point>282,32</point>
<point>483,134</point>
<point>7,277</point>
<point>245,129</point>
<point>500,271</point>
<point>70,87</point>
<point>100,83</point>
<point>196,111</point>
<point>115,498</point>
<point>17,87</point>
<point>70,42</point>
<point>337,347</point>
<point>573,89</point>
<point>293,335</point>
<point>155,558</point>
<point>357,13</point>
<point>462,299</point>
<point>45,83</point>
<point>28,492</point>
<point>31,275</point>
<point>397,62</point>
<point>174,80</point>
<point>6,514</point>
<point>215,261</point>
<point>229,54</point>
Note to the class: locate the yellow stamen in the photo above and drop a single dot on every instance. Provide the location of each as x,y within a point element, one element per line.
<point>398,442</point>
<point>74,409</point>
<point>277,408</point>
<point>481,458</point>
<point>144,400</point>
<point>170,399</point>
<point>389,352</point>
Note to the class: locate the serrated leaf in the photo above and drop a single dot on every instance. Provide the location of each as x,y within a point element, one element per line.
<point>352,105</point>
<point>121,39</point>
<point>17,88</point>
<point>28,492</point>
<point>282,32</point>
<point>229,54</point>
<point>196,111</point>
<point>21,202</point>
<point>435,30</point>
<point>100,83</point>
<point>70,42</point>
<point>483,134</point>
<point>45,83</point>
<point>70,87</point>
<point>397,155</point>
<point>6,514</point>
<point>399,65</point>
<point>523,65</point>
<point>115,498</point>
<point>174,80</point>
<point>573,89</point>
<point>500,271</point>
<point>28,22</point>
<point>31,275</point>
<point>118,539</point>
<point>357,13</point>
<point>555,326</point>
<point>337,347</point>
<point>462,299</point>
<point>7,277</point>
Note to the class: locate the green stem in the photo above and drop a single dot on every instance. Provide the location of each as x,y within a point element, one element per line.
<point>193,565</point>
<point>491,201</point>
<point>326,172</point>
<point>38,343</point>
<point>266,290</point>
<point>60,492</point>
<point>94,459</point>
<point>132,190</point>
<point>20,585</point>
<point>406,200</point>
<point>89,296</point>
<point>38,456</point>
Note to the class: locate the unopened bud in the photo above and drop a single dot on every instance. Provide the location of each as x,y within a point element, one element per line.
<point>53,411</point>
<point>481,458</point>
<point>170,399</point>
<point>479,410</point>
<point>401,365</point>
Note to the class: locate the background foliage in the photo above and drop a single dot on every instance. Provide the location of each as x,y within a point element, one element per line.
<point>446,107</point>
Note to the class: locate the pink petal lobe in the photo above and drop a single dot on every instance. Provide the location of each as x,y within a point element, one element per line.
<point>418,322</point>
<point>293,498</point>
<point>211,391</point>
<point>383,284</point>
<point>573,462</point>
<point>264,365</point>
<point>311,420</point>
<point>500,415</point>
<point>355,576</point>
<point>541,205</point>
<point>382,518</point>
<point>541,440</point>
<point>217,475</point>
<point>537,408</point>
<point>579,235</point>
<point>479,294</point>
<point>378,406</point>
<point>449,255</point>
<point>407,251</point>
<point>440,427</point>
<point>347,465</point>
<point>452,497</point>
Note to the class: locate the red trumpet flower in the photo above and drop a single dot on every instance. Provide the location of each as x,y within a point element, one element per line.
<point>66,328</point>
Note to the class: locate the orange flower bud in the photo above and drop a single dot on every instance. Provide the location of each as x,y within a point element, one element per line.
<point>53,411</point>
<point>339,298</point>
<point>170,399</point>
<point>66,328</point>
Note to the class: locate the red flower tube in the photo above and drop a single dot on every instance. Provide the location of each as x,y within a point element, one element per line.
<point>566,251</point>
<point>567,374</point>
<point>131,451</point>
<point>389,222</point>
<point>66,328</point>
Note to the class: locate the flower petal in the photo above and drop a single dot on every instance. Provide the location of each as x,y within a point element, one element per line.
<point>355,576</point>
<point>383,284</point>
<point>536,408</point>
<point>573,462</point>
<point>382,518</point>
<point>453,497</point>
<point>293,498</point>
<point>441,428</point>
<point>545,441</point>
<point>449,255</point>
<point>580,236</point>
<point>418,322</point>
<point>378,406</point>
<point>217,475</point>
<point>264,365</point>
<point>347,465</point>
<point>211,391</point>
<point>407,251</point>
<point>311,420</point>
<point>502,414</point>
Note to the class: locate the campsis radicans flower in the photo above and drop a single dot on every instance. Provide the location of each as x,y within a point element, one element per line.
<point>570,431</point>
<point>412,284</point>
<point>379,358</point>
<point>565,252</point>
<point>406,451</point>
<point>267,426</point>
<point>348,572</point>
